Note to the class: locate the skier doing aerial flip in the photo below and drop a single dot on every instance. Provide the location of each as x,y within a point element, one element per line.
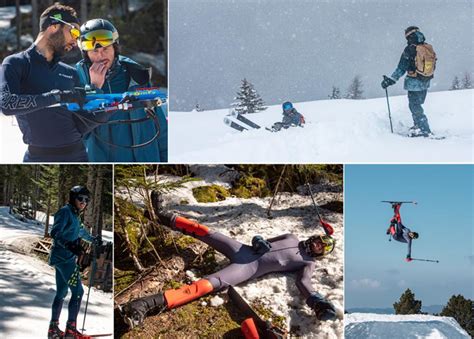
<point>284,253</point>
<point>398,231</point>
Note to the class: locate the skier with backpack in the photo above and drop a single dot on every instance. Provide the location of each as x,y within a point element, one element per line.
<point>67,232</point>
<point>283,253</point>
<point>399,232</point>
<point>291,117</point>
<point>418,61</point>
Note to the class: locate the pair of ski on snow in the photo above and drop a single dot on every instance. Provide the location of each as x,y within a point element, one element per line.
<point>240,123</point>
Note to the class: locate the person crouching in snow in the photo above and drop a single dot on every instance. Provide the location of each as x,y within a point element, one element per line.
<point>67,233</point>
<point>284,253</point>
<point>291,117</point>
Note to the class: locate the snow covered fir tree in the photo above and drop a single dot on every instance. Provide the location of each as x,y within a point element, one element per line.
<point>355,89</point>
<point>335,93</point>
<point>248,100</point>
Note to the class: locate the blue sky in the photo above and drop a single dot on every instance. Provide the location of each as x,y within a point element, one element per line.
<point>375,271</point>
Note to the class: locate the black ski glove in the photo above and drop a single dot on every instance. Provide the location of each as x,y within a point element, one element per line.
<point>97,241</point>
<point>260,245</point>
<point>387,82</point>
<point>75,247</point>
<point>323,308</point>
<point>77,95</point>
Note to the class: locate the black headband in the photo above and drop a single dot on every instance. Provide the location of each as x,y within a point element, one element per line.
<point>49,20</point>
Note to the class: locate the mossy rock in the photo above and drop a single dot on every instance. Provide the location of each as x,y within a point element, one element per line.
<point>123,279</point>
<point>213,193</point>
<point>248,186</point>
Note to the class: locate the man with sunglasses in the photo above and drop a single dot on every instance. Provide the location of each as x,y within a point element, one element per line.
<point>104,70</point>
<point>34,82</point>
<point>284,253</point>
<point>67,232</point>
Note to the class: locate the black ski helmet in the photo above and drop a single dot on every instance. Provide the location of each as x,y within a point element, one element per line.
<point>411,29</point>
<point>414,235</point>
<point>77,191</point>
<point>92,30</point>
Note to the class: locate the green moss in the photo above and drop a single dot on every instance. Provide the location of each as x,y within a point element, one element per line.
<point>267,314</point>
<point>184,241</point>
<point>248,186</point>
<point>184,202</point>
<point>172,284</point>
<point>123,279</point>
<point>211,193</point>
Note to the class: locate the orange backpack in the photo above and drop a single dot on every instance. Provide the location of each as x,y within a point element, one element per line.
<point>425,61</point>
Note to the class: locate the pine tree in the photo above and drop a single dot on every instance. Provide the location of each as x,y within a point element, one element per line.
<point>407,304</point>
<point>335,94</point>
<point>462,310</point>
<point>247,99</point>
<point>355,89</point>
<point>466,81</point>
<point>456,84</point>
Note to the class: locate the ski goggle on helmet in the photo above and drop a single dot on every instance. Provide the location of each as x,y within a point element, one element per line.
<point>99,38</point>
<point>327,241</point>
<point>287,105</point>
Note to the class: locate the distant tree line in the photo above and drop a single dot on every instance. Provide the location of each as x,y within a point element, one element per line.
<point>30,189</point>
<point>464,83</point>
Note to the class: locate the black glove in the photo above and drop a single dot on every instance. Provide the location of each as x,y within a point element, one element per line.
<point>77,95</point>
<point>387,82</point>
<point>323,308</point>
<point>75,247</point>
<point>97,241</point>
<point>260,245</point>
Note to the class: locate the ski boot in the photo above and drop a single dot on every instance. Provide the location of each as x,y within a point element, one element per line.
<point>54,332</point>
<point>72,332</point>
<point>134,312</point>
<point>323,308</point>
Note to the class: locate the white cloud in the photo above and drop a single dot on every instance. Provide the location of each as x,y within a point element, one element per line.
<point>365,283</point>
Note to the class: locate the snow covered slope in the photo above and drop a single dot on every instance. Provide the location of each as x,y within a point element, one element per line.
<point>370,325</point>
<point>27,287</point>
<point>336,131</point>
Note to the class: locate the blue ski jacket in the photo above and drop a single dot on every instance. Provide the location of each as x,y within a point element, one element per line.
<point>25,79</point>
<point>407,64</point>
<point>292,117</point>
<point>67,227</point>
<point>125,75</point>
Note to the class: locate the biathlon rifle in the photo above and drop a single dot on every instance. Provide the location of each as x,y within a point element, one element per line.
<point>139,98</point>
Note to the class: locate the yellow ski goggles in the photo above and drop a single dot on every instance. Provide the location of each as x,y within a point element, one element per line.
<point>75,33</point>
<point>99,38</point>
<point>328,243</point>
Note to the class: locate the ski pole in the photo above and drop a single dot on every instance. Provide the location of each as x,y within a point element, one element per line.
<point>327,228</point>
<point>269,211</point>
<point>91,280</point>
<point>388,105</point>
<point>429,260</point>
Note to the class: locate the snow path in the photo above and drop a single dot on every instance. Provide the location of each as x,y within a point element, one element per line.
<point>413,326</point>
<point>336,131</point>
<point>292,213</point>
<point>27,288</point>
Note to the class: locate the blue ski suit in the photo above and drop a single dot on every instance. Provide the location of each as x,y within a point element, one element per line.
<point>125,75</point>
<point>66,228</point>
<point>51,133</point>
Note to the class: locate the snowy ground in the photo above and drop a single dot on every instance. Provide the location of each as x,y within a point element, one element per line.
<point>293,213</point>
<point>336,131</point>
<point>370,325</point>
<point>9,12</point>
<point>27,287</point>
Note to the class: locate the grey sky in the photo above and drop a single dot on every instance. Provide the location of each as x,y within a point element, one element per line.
<point>296,50</point>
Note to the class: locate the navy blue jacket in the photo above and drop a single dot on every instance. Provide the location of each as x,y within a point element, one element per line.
<point>24,78</point>
<point>125,75</point>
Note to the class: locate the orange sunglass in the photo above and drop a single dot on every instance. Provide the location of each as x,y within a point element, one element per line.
<point>75,33</point>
